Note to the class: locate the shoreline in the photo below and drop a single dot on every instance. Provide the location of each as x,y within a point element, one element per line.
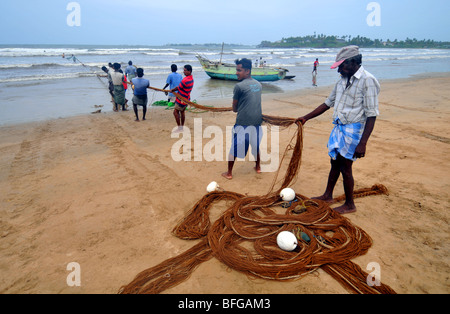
<point>104,191</point>
<point>227,102</point>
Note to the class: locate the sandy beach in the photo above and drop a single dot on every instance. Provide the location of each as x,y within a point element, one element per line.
<point>104,191</point>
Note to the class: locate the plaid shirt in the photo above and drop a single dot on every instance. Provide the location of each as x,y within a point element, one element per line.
<point>358,101</point>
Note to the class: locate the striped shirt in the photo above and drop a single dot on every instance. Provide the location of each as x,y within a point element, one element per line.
<point>185,88</point>
<point>357,102</point>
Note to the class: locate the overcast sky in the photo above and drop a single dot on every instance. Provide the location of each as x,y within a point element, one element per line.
<point>159,22</point>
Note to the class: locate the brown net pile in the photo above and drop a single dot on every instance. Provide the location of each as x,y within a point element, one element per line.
<point>374,190</point>
<point>244,237</point>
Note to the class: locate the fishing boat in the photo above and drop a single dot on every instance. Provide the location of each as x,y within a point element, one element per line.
<point>227,71</point>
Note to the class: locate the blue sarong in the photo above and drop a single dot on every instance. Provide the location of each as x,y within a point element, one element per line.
<point>243,138</point>
<point>343,139</point>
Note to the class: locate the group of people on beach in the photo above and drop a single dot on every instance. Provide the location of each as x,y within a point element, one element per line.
<point>117,86</point>
<point>118,83</point>
<point>354,99</point>
<point>260,63</point>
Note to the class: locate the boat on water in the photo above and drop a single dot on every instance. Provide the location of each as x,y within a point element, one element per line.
<point>227,71</point>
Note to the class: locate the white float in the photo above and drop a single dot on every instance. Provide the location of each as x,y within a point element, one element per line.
<point>212,187</point>
<point>287,241</point>
<point>287,194</point>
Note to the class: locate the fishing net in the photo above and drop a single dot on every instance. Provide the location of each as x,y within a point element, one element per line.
<point>244,237</point>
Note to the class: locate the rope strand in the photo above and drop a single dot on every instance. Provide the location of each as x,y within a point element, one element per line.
<point>244,237</point>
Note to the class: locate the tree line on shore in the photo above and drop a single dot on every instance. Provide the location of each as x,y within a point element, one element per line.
<point>325,41</point>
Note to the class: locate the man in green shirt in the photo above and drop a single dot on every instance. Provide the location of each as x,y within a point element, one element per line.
<point>247,104</point>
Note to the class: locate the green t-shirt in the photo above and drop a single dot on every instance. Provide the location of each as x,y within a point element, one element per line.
<point>248,94</point>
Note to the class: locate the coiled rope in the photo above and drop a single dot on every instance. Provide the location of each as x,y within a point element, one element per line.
<point>244,237</point>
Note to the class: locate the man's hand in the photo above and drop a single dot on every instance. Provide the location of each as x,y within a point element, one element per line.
<point>316,112</point>
<point>301,120</point>
<point>360,151</point>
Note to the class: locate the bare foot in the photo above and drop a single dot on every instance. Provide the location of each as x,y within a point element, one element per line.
<point>345,209</point>
<point>257,169</point>
<point>178,130</point>
<point>226,175</point>
<point>323,198</point>
<point>137,120</point>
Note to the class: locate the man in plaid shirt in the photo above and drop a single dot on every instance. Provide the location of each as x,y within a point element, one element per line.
<point>355,102</point>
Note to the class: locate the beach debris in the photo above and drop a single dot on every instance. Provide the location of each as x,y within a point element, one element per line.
<point>287,241</point>
<point>300,235</point>
<point>98,111</point>
<point>287,194</point>
<point>213,187</point>
<point>305,237</point>
<point>299,209</point>
<point>161,103</point>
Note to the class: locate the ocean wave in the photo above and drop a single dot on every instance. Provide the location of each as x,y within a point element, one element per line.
<point>48,65</point>
<point>39,52</point>
<point>59,76</point>
<point>15,66</point>
<point>148,70</point>
<point>257,53</point>
<point>51,52</point>
<point>417,57</point>
<point>159,53</point>
<point>45,66</point>
<point>318,50</point>
<point>309,56</point>
<point>208,53</point>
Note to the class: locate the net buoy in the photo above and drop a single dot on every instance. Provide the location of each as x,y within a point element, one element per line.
<point>287,194</point>
<point>287,241</point>
<point>212,187</point>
